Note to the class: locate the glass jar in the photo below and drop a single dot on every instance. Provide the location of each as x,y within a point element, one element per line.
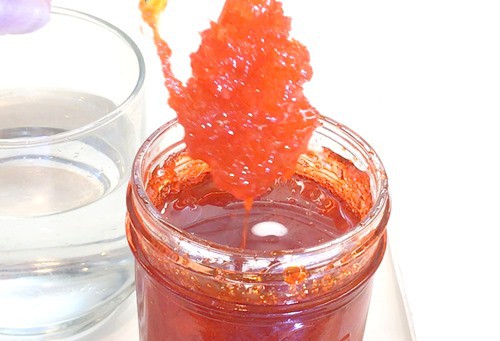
<point>189,288</point>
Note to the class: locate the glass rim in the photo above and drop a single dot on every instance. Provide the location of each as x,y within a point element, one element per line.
<point>375,219</point>
<point>26,142</point>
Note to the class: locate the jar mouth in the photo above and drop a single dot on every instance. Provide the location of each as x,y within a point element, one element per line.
<point>26,142</point>
<point>372,223</point>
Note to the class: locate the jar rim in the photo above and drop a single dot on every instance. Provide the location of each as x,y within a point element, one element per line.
<point>320,254</point>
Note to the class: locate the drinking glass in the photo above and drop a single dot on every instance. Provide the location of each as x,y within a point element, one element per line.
<point>71,120</point>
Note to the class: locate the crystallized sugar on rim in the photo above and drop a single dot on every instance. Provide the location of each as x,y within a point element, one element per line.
<point>243,109</point>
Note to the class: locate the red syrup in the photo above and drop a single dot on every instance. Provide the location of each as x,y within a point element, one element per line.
<point>195,282</point>
<point>295,213</point>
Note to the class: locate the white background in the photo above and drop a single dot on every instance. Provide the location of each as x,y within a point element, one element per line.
<point>420,81</point>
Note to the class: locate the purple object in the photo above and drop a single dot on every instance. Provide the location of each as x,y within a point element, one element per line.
<point>23,16</point>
